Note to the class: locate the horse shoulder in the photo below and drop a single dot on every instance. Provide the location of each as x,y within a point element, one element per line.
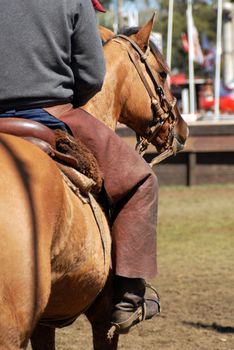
<point>80,258</point>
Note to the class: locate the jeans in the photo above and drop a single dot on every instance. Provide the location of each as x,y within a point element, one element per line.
<point>38,115</point>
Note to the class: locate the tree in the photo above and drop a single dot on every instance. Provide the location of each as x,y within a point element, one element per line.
<point>106,3</point>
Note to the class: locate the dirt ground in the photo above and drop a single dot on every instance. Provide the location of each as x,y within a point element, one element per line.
<point>195,280</point>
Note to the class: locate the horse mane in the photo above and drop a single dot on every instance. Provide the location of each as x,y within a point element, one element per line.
<point>128,31</point>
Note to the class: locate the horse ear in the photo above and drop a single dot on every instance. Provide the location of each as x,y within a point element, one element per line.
<point>143,36</point>
<point>105,33</point>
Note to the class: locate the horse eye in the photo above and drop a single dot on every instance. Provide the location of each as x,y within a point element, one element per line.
<point>163,75</point>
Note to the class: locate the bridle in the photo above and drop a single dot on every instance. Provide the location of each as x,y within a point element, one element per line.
<point>163,110</point>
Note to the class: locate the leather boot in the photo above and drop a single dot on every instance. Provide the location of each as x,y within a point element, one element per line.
<point>131,305</point>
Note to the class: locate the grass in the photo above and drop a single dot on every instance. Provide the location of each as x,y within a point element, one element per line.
<point>197,225</point>
<point>196,267</point>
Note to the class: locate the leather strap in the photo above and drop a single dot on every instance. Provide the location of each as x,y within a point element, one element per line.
<point>143,57</point>
<point>163,109</point>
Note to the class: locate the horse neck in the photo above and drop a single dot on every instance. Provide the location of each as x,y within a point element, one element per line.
<point>106,105</point>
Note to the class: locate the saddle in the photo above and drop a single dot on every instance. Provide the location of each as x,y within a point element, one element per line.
<point>76,162</point>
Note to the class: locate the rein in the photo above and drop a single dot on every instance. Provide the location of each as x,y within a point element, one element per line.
<point>162,110</point>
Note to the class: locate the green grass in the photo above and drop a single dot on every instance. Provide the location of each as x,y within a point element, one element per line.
<point>196,267</point>
<point>196,223</point>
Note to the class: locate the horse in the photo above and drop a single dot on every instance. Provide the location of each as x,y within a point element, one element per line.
<point>53,264</point>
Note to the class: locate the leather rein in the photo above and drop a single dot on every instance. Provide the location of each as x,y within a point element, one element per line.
<point>162,108</point>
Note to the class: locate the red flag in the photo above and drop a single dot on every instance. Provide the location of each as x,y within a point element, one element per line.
<point>198,54</point>
<point>185,43</point>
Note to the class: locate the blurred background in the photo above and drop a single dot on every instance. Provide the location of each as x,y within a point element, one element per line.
<point>186,30</point>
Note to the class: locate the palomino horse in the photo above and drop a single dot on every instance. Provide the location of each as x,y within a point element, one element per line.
<point>52,263</point>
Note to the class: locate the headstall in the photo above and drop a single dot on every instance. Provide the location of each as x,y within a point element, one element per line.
<point>162,108</point>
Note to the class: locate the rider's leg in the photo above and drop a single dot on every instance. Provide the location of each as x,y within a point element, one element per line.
<point>133,190</point>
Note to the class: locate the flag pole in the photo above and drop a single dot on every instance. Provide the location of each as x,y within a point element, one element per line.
<point>191,57</point>
<point>218,57</point>
<point>169,32</point>
<point>117,15</point>
<point>120,20</point>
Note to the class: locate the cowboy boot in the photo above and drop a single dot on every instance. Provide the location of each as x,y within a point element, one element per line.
<point>131,305</point>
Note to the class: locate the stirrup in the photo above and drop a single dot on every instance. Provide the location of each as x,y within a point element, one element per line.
<point>136,317</point>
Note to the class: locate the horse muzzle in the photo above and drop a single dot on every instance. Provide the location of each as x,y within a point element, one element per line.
<point>177,145</point>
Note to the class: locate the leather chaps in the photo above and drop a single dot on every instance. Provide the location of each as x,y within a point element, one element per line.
<point>133,190</point>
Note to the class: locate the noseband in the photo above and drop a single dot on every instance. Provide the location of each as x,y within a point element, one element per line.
<point>162,108</point>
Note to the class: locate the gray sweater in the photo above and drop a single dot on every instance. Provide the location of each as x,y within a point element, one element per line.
<point>51,53</point>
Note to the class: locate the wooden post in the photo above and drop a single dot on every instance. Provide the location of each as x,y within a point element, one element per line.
<point>191,169</point>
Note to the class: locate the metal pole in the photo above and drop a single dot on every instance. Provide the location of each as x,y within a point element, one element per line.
<point>218,57</point>
<point>120,19</point>
<point>169,32</point>
<point>116,24</point>
<point>191,57</point>
<point>228,43</point>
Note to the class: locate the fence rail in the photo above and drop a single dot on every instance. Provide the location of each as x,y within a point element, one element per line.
<point>208,156</point>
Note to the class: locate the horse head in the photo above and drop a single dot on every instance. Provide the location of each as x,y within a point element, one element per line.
<point>148,106</point>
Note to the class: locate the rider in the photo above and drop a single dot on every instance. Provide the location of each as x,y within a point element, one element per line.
<point>52,62</point>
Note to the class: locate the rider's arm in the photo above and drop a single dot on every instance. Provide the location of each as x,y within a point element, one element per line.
<point>87,60</point>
